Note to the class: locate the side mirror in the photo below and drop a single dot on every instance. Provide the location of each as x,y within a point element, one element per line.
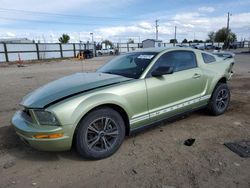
<point>159,71</point>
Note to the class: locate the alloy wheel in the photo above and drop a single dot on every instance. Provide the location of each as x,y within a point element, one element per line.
<point>101,134</point>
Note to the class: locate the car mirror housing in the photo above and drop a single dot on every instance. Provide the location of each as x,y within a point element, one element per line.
<point>162,70</point>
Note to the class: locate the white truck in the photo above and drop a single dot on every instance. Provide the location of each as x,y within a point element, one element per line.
<point>105,52</point>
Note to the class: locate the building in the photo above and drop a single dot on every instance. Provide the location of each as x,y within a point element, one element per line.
<point>16,40</point>
<point>151,43</point>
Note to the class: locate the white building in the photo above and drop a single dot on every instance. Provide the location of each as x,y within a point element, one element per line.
<point>151,43</point>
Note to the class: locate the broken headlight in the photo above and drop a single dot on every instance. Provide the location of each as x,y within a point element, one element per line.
<point>45,117</point>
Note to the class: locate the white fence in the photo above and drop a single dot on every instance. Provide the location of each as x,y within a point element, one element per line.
<point>37,51</point>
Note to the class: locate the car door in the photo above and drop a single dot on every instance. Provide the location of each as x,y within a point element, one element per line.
<point>174,93</point>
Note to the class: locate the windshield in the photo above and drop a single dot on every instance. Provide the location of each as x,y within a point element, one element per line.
<point>129,65</point>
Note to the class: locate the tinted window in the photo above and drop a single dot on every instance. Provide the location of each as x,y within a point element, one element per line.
<point>129,65</point>
<point>180,60</point>
<point>208,58</point>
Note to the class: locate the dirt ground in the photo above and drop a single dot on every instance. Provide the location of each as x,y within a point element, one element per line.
<point>153,158</point>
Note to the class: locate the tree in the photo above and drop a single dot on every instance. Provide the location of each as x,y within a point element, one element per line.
<point>98,46</point>
<point>211,36</point>
<point>221,35</point>
<point>131,41</point>
<point>107,43</point>
<point>173,41</point>
<point>196,41</point>
<point>64,38</point>
<point>232,37</point>
<point>185,41</point>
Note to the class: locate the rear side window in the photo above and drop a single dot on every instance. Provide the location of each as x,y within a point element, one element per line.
<point>208,58</point>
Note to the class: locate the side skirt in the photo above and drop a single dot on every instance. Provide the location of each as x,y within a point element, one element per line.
<point>156,123</point>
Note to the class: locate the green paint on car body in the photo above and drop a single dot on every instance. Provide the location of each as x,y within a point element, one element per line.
<point>145,99</point>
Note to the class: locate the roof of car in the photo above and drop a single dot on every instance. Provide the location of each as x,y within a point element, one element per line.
<point>160,49</point>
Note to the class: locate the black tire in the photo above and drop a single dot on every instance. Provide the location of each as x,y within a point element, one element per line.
<point>220,99</point>
<point>100,134</point>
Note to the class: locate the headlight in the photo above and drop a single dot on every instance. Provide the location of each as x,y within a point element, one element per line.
<point>45,117</point>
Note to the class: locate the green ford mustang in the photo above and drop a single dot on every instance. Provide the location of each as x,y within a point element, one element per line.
<point>133,91</point>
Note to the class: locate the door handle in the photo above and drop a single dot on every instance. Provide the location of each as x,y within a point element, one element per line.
<point>196,75</point>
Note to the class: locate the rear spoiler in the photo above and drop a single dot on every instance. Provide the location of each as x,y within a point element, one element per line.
<point>224,54</point>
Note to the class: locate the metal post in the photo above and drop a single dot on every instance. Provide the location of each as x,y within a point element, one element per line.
<point>227,38</point>
<point>175,35</point>
<point>37,51</point>
<point>128,47</point>
<point>156,29</point>
<point>6,52</point>
<point>92,37</point>
<point>74,48</point>
<point>61,50</point>
<point>94,49</point>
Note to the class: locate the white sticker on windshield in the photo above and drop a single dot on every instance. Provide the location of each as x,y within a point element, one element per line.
<point>145,56</point>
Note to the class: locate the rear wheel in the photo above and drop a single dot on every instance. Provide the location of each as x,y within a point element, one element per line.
<point>100,133</point>
<point>220,99</point>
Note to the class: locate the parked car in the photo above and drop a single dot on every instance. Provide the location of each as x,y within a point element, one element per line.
<point>198,46</point>
<point>105,51</point>
<point>95,111</point>
<point>212,47</point>
<point>182,45</point>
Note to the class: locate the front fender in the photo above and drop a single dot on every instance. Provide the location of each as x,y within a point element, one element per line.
<point>71,111</point>
<point>97,100</point>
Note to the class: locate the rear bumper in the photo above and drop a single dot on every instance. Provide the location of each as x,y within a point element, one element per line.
<point>26,131</point>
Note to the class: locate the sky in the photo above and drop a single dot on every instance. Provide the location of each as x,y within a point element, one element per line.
<point>118,20</point>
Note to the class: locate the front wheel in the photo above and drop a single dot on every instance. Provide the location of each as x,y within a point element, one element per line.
<point>100,134</point>
<point>220,99</point>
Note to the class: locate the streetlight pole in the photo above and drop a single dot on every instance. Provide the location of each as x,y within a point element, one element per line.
<point>156,29</point>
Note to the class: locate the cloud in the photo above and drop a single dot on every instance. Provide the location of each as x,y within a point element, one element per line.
<point>10,34</point>
<point>189,23</point>
<point>87,6</point>
<point>206,9</point>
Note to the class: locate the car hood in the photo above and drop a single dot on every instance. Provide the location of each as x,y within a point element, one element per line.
<point>68,86</point>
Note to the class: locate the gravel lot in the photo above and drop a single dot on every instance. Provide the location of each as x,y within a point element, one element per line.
<point>153,158</point>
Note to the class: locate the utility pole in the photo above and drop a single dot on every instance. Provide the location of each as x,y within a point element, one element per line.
<point>92,35</point>
<point>156,29</point>
<point>175,34</point>
<point>228,19</point>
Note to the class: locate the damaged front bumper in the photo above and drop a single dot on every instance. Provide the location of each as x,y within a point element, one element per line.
<point>30,134</point>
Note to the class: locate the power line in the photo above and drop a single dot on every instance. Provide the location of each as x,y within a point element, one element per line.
<point>63,15</point>
<point>50,22</point>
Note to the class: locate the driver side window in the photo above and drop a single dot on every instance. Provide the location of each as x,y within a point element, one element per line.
<point>179,60</point>
<point>164,61</point>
